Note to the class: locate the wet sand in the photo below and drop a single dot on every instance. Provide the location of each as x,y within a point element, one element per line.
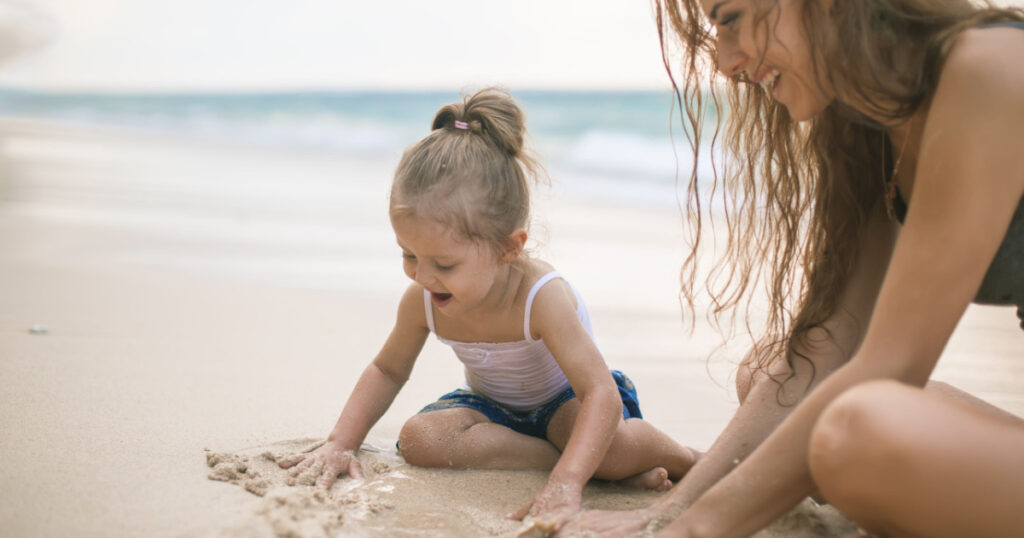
<point>168,304</point>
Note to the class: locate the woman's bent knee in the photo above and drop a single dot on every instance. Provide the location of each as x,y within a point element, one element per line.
<point>857,440</point>
<point>744,380</point>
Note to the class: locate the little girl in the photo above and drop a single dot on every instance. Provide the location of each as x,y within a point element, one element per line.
<point>538,393</point>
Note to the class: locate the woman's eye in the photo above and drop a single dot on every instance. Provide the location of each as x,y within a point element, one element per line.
<point>408,257</point>
<point>444,267</point>
<point>729,20</point>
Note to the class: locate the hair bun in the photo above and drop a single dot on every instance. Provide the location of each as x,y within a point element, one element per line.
<point>491,113</point>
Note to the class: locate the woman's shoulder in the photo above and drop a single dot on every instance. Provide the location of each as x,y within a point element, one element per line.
<point>988,56</point>
<point>981,80</point>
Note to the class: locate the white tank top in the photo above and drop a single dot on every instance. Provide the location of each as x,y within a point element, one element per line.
<point>520,375</point>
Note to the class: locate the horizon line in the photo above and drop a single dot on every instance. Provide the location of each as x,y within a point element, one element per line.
<point>312,90</point>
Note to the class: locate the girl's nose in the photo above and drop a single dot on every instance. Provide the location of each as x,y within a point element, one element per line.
<point>422,276</point>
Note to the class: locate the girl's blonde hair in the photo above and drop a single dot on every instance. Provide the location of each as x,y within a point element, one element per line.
<point>798,196</point>
<point>471,173</point>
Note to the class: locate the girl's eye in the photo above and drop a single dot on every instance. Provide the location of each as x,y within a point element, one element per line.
<point>444,267</point>
<point>408,257</point>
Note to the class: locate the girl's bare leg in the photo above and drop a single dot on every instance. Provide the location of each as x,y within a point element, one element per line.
<point>640,454</point>
<point>464,438</point>
<point>902,461</point>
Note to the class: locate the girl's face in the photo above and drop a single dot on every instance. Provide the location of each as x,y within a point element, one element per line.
<point>461,275</point>
<point>772,52</point>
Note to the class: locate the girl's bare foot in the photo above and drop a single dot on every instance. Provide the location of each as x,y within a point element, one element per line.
<point>656,479</point>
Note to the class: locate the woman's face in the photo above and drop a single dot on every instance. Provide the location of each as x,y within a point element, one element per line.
<point>771,50</point>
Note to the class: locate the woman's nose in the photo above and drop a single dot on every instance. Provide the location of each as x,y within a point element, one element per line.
<point>731,60</point>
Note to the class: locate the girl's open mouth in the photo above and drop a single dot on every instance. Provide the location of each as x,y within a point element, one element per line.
<point>440,299</point>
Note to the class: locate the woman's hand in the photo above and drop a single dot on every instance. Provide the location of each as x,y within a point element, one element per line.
<point>323,465</point>
<point>613,523</point>
<point>552,508</point>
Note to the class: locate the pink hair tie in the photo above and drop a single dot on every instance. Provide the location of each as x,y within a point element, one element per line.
<point>461,125</point>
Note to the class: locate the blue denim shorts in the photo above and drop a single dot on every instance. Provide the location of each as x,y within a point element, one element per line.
<point>533,422</point>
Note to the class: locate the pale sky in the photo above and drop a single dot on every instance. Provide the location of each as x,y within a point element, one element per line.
<point>173,45</point>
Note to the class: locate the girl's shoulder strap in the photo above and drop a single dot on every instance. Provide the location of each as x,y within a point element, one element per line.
<point>429,310</point>
<point>529,301</point>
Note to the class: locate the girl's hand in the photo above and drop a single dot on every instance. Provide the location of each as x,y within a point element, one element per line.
<point>323,465</point>
<point>552,508</point>
<point>612,523</point>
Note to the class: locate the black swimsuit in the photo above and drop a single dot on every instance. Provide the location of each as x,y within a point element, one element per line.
<point>1004,281</point>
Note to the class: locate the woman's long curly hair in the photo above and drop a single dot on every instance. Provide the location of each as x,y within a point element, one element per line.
<point>796,197</point>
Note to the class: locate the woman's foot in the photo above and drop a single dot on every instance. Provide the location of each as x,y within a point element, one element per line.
<point>656,479</point>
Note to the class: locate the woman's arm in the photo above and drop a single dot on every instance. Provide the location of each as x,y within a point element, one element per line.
<point>969,180</point>
<point>766,403</point>
<point>376,389</point>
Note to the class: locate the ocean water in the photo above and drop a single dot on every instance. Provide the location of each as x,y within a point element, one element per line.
<point>313,214</point>
<point>622,146</point>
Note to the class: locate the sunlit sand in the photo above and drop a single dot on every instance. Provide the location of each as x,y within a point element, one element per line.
<point>177,315</point>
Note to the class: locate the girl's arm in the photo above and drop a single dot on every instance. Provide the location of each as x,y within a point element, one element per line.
<point>371,397</point>
<point>554,319</point>
<point>766,403</point>
<point>969,180</point>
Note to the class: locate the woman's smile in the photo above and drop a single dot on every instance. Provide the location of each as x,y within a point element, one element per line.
<point>768,79</point>
<point>767,43</point>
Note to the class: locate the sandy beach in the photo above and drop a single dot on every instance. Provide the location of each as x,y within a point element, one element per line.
<point>174,311</point>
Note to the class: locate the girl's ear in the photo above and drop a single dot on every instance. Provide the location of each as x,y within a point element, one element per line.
<point>514,245</point>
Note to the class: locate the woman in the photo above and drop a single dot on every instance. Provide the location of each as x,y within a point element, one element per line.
<point>877,190</point>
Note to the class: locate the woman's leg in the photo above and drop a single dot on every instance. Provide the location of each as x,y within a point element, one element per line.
<point>638,450</point>
<point>902,461</point>
<point>464,438</point>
